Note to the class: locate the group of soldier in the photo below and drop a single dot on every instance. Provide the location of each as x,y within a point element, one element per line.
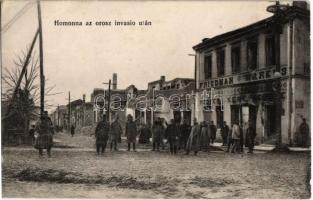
<point>198,137</point>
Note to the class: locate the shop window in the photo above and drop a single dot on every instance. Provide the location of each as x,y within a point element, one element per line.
<point>220,61</point>
<point>270,50</point>
<point>252,54</point>
<point>235,59</point>
<point>208,67</point>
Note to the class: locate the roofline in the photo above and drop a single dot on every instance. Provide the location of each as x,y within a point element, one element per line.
<point>259,25</point>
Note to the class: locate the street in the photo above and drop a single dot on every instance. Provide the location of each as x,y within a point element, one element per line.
<point>78,172</point>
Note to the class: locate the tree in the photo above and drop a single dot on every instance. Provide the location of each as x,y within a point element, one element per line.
<point>24,105</point>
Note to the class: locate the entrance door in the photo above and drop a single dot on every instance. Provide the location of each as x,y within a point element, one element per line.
<point>270,123</point>
<point>219,116</point>
<point>235,113</point>
<point>177,116</point>
<point>187,116</point>
<point>252,115</point>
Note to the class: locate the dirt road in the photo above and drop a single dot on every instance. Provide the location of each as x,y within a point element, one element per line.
<point>145,174</point>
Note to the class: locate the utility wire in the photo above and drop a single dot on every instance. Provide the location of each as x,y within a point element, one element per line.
<point>17,16</point>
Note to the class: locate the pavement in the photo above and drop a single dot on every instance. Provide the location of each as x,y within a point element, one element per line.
<point>268,147</point>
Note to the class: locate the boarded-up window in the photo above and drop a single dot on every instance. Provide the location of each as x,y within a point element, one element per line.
<point>235,59</point>
<point>270,50</point>
<point>252,54</point>
<point>208,67</point>
<point>220,61</point>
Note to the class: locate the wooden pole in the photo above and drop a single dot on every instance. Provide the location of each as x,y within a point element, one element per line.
<point>42,77</point>
<point>69,110</point>
<point>109,101</point>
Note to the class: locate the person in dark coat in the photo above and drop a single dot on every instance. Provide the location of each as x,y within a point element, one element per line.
<point>102,135</point>
<point>72,130</point>
<point>241,140</point>
<point>131,132</point>
<point>145,134</point>
<point>184,129</point>
<point>304,136</point>
<point>230,140</point>
<point>172,136</point>
<point>213,131</point>
<point>250,137</point>
<point>205,136</point>
<point>193,143</point>
<point>45,131</point>
<point>225,132</point>
<point>157,134</point>
<point>31,133</point>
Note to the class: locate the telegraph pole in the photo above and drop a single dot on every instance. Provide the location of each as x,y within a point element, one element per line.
<point>69,111</point>
<point>42,77</point>
<point>58,115</point>
<point>278,11</point>
<point>109,100</point>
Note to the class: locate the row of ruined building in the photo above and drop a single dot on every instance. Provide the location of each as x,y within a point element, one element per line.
<point>237,71</point>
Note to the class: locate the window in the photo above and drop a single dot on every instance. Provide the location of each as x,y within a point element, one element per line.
<point>220,61</point>
<point>270,50</point>
<point>208,67</point>
<point>252,54</point>
<point>235,59</point>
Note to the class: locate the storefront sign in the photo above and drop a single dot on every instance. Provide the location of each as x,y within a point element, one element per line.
<point>242,78</point>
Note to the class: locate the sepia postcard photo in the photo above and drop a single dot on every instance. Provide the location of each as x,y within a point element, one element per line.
<point>155,99</point>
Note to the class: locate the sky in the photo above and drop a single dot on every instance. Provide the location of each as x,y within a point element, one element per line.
<point>79,59</point>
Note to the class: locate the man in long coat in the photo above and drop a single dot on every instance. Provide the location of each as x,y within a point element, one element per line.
<point>131,132</point>
<point>145,134</point>
<point>45,130</point>
<point>172,135</point>
<point>213,131</point>
<point>157,134</point>
<point>225,132</point>
<point>115,133</point>
<point>193,143</point>
<point>250,137</point>
<point>304,136</point>
<point>205,136</point>
<point>184,134</point>
<point>102,135</point>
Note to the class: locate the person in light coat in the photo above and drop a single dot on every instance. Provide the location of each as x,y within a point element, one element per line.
<point>193,143</point>
<point>236,137</point>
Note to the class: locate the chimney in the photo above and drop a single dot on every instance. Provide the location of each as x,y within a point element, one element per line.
<point>84,98</point>
<point>162,78</point>
<point>114,87</point>
<point>300,4</point>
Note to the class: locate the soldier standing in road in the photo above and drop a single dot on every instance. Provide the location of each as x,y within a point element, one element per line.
<point>304,137</point>
<point>184,134</point>
<point>213,131</point>
<point>193,143</point>
<point>102,135</point>
<point>131,132</point>
<point>115,133</point>
<point>157,133</point>
<point>205,136</point>
<point>145,134</point>
<point>72,130</point>
<point>225,131</point>
<point>45,130</point>
<point>250,137</point>
<point>236,137</point>
<point>172,135</point>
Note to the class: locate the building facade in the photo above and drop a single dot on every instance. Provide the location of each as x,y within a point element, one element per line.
<point>235,76</point>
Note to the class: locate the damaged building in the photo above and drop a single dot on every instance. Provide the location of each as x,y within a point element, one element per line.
<point>237,70</point>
